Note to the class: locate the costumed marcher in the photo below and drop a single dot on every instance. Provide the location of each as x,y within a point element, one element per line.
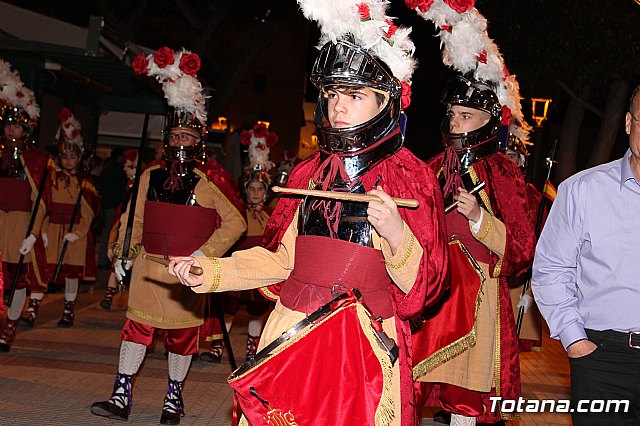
<point>66,197</point>
<point>182,207</point>
<point>476,354</point>
<point>256,181</point>
<point>21,169</point>
<point>129,168</point>
<point>530,337</point>
<point>396,257</point>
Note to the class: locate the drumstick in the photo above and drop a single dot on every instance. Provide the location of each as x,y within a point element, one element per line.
<point>345,196</point>
<point>194,270</point>
<point>455,203</point>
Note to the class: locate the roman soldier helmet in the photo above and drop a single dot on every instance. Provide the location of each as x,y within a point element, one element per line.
<point>69,136</point>
<point>360,47</point>
<point>18,104</point>
<point>472,94</point>
<point>487,84</point>
<point>176,71</point>
<point>259,141</point>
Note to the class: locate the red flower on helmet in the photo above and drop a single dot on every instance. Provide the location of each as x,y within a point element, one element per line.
<point>392,29</point>
<point>460,6</point>
<point>140,64</point>
<point>190,64</point>
<point>423,5</point>
<point>64,114</point>
<point>75,133</point>
<point>365,13</point>
<point>19,94</point>
<point>505,120</point>
<point>406,95</point>
<point>482,57</point>
<point>262,146</point>
<point>260,130</point>
<point>163,57</point>
<point>272,139</point>
<point>245,137</point>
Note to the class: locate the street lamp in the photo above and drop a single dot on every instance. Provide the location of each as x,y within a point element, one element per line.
<point>539,109</point>
<point>222,125</point>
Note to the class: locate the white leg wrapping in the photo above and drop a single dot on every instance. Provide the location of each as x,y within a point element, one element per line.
<point>70,289</point>
<point>255,326</point>
<point>17,304</point>
<point>131,356</point>
<point>178,366</point>
<point>37,296</point>
<point>460,420</point>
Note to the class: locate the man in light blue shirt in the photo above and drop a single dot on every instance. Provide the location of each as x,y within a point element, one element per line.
<point>586,279</point>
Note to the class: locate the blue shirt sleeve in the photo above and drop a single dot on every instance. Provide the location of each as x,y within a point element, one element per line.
<point>554,282</point>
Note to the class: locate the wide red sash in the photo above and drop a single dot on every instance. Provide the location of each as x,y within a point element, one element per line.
<point>175,230</point>
<point>62,212</point>
<point>15,195</point>
<point>460,302</point>
<point>324,263</point>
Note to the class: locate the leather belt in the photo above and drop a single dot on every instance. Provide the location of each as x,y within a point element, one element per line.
<point>628,340</point>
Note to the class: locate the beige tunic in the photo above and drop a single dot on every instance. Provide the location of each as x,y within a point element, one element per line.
<point>259,267</point>
<point>76,252</point>
<point>13,226</point>
<point>158,299</point>
<point>474,368</point>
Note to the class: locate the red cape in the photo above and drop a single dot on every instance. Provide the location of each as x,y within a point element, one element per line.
<point>507,195</point>
<point>401,175</point>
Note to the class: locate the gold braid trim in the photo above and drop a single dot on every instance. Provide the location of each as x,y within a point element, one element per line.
<point>453,349</point>
<point>386,411</point>
<point>405,256</point>
<point>484,235</point>
<point>217,274</point>
<point>161,320</point>
<point>497,269</point>
<point>483,194</point>
<point>269,293</point>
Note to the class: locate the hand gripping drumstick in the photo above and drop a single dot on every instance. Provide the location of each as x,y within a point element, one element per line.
<point>194,270</point>
<point>474,190</point>
<point>345,196</point>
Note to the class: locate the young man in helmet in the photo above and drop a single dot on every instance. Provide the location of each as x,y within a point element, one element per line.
<point>78,262</point>
<point>21,170</point>
<point>396,257</point>
<point>494,229</point>
<point>183,207</point>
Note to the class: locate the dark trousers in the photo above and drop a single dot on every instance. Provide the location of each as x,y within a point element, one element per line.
<point>607,374</point>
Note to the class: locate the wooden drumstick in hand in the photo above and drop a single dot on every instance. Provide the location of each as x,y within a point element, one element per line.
<point>194,270</point>
<point>345,196</point>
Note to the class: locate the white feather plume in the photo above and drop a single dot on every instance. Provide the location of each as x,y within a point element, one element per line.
<point>467,47</point>
<point>13,91</point>
<point>339,18</point>
<point>182,91</point>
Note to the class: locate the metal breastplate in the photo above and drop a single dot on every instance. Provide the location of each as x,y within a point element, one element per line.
<point>184,196</point>
<point>353,225</point>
